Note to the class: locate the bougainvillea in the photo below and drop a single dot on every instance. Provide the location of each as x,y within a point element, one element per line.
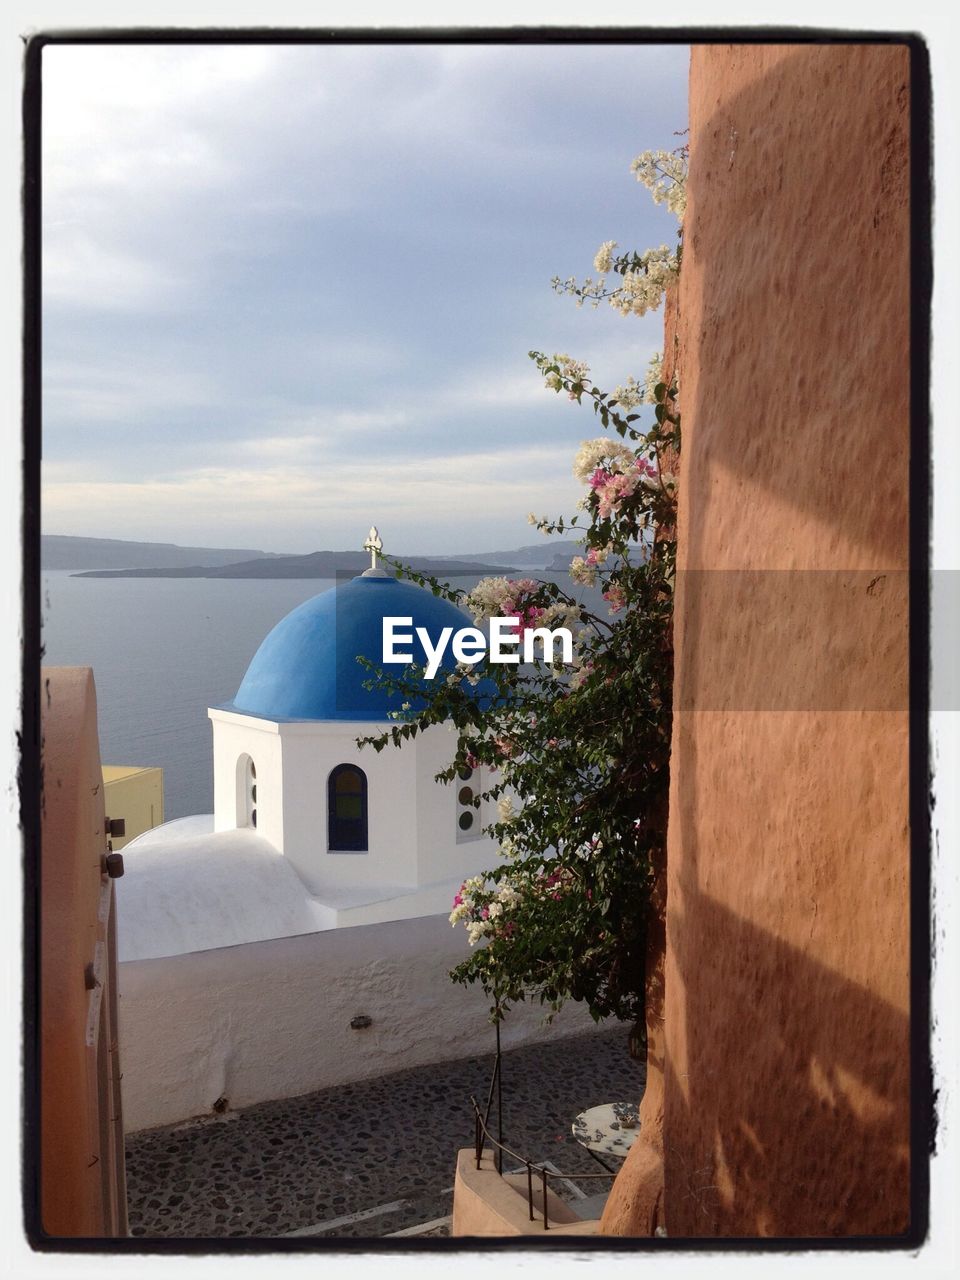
<point>575,756</point>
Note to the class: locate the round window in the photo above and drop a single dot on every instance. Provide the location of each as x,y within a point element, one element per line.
<point>466,821</point>
<point>465,795</point>
<point>464,774</point>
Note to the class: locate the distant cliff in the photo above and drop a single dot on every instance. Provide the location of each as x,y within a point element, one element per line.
<point>319,564</point>
<point>57,551</point>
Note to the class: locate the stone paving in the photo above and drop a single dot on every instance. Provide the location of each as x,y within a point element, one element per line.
<point>370,1159</point>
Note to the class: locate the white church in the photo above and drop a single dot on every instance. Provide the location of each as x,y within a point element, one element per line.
<point>316,831</point>
<point>315,899</point>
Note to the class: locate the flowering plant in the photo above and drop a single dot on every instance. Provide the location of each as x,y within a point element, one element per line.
<point>577,757</point>
<point>644,276</point>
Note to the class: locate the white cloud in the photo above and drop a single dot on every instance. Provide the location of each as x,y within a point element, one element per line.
<point>80,272</point>
<point>422,495</point>
<point>334,256</point>
<point>82,393</point>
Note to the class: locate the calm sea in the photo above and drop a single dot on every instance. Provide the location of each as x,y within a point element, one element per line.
<point>162,651</point>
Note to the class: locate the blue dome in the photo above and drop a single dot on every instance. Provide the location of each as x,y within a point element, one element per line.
<point>307,669</point>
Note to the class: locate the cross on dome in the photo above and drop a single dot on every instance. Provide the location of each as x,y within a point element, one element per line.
<point>373,544</point>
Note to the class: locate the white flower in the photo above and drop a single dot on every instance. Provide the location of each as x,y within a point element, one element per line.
<point>495,909</point>
<point>664,174</point>
<point>574,370</point>
<point>642,290</point>
<point>653,375</point>
<point>580,571</point>
<point>505,810</point>
<point>629,395</point>
<point>604,452</point>
<point>604,259</point>
<point>490,598</point>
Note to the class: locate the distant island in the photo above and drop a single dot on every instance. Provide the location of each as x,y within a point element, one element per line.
<point>117,558</point>
<point>319,564</point>
<point>60,551</point>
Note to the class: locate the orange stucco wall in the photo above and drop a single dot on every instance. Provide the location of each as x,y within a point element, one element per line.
<point>786,1017</point>
<point>81,1188</point>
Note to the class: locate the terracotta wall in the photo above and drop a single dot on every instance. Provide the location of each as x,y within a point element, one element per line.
<point>81,1191</point>
<point>786,1072</point>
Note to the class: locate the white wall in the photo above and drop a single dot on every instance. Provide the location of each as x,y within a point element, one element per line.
<point>411,818</point>
<point>441,855</point>
<point>234,735</point>
<point>310,751</point>
<point>272,1019</point>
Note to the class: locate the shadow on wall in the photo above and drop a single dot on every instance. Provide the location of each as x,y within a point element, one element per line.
<point>809,1134</point>
<point>787,1090</point>
<point>795,306</point>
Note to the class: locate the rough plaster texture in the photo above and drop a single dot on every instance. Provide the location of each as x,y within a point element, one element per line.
<point>786,1096</point>
<point>272,1019</point>
<point>79,1182</point>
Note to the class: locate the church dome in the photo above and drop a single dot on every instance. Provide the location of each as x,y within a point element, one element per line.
<point>307,668</point>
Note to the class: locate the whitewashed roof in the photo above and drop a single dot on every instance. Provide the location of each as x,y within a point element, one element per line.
<point>188,888</point>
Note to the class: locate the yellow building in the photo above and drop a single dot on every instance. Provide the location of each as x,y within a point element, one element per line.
<point>134,794</point>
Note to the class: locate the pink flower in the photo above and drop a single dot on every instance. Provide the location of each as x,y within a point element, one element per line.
<point>614,595</point>
<point>471,761</point>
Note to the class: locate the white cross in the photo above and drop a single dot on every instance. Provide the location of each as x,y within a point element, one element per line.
<point>373,544</point>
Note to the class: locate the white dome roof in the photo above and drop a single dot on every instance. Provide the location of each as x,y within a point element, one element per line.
<point>187,888</point>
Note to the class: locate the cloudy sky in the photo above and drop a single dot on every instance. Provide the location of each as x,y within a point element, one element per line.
<point>290,291</point>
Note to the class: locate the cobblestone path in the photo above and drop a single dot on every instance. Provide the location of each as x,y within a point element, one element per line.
<point>371,1159</point>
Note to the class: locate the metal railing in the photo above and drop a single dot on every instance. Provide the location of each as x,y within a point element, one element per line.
<point>482,1136</point>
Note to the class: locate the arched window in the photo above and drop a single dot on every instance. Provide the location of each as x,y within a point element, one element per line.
<point>347,810</point>
<point>246,792</point>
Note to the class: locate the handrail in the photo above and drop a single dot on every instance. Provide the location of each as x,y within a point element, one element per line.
<point>482,1136</point>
